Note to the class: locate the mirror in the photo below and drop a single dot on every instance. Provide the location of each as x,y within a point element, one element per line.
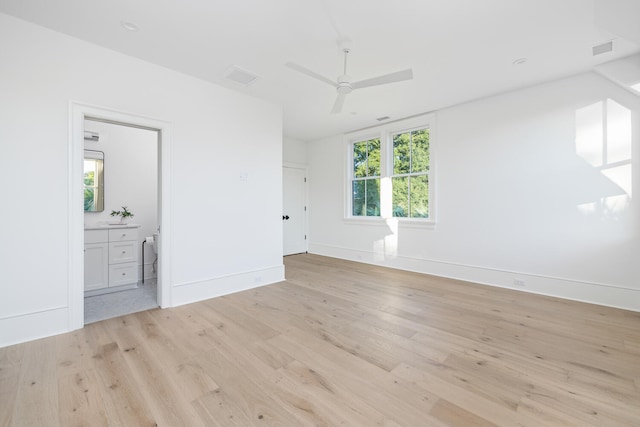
<point>93,181</point>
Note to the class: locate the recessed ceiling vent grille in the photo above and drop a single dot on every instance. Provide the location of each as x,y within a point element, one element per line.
<point>240,75</point>
<point>382,119</point>
<point>602,48</point>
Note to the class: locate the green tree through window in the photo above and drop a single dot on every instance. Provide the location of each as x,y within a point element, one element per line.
<point>390,171</point>
<point>410,179</point>
<point>366,178</point>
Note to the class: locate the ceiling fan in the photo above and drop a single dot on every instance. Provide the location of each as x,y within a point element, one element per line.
<point>344,85</point>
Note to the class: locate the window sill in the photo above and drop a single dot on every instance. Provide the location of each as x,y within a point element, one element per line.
<point>385,222</point>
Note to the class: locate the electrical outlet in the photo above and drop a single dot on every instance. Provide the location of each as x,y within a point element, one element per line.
<point>518,282</point>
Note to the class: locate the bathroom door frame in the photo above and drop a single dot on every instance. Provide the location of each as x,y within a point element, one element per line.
<point>77,113</point>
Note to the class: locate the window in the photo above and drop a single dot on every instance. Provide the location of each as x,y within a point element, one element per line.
<point>366,178</point>
<point>390,173</point>
<point>410,179</point>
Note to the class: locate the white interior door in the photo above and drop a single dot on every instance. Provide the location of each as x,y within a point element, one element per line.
<point>294,211</point>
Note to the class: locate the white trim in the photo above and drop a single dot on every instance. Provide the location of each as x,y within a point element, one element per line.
<point>571,289</point>
<point>384,133</point>
<point>77,113</point>
<point>303,167</point>
<point>189,292</point>
<point>295,165</point>
<point>383,222</point>
<point>31,326</point>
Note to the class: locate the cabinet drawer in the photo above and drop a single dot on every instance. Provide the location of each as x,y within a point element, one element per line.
<point>123,234</point>
<point>123,274</point>
<point>96,236</point>
<point>120,252</point>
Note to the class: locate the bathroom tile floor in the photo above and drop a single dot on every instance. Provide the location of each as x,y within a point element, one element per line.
<point>101,307</point>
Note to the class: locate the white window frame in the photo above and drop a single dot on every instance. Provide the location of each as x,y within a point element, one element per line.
<point>385,133</point>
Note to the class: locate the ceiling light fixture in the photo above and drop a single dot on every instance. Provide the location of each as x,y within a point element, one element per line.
<point>130,26</point>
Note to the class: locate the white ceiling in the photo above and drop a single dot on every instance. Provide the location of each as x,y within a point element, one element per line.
<point>459,50</point>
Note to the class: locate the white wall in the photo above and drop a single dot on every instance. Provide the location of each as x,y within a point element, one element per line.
<point>226,231</point>
<point>519,193</point>
<point>294,151</point>
<point>130,179</point>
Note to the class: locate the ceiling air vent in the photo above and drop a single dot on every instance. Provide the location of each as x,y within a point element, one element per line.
<point>240,75</point>
<point>602,48</point>
<point>382,119</point>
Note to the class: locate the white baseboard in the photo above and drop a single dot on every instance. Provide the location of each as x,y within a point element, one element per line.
<point>197,291</point>
<point>594,293</point>
<point>32,326</point>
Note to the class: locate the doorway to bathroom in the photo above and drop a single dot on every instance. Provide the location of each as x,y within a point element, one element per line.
<point>120,219</point>
<point>76,227</point>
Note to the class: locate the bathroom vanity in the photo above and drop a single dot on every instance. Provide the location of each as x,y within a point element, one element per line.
<point>110,258</point>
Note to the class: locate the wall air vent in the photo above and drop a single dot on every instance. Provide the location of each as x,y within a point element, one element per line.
<point>240,75</point>
<point>602,48</point>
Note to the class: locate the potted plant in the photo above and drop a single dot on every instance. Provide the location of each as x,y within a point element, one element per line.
<point>124,214</point>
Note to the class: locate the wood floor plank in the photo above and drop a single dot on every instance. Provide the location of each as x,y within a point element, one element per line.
<point>155,380</point>
<point>238,400</point>
<point>36,401</point>
<point>378,345</point>
<point>123,402</point>
<point>10,367</point>
<point>284,392</point>
<point>471,402</point>
<point>192,380</point>
<point>456,416</point>
<point>81,401</point>
<point>398,400</point>
<point>338,343</point>
<point>336,400</point>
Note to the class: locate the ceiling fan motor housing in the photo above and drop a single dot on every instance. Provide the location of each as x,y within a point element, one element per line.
<point>344,85</point>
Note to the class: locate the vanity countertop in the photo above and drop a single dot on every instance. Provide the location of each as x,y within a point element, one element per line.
<point>109,226</point>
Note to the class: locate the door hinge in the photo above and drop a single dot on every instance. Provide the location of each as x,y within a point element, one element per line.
<point>305,208</point>
<point>305,179</point>
<point>305,237</point>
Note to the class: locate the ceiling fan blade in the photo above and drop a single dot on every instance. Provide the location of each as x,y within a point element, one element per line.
<point>337,106</point>
<point>398,76</point>
<point>310,73</point>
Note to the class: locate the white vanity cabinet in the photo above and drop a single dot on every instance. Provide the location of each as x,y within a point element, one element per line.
<point>96,259</point>
<point>110,258</point>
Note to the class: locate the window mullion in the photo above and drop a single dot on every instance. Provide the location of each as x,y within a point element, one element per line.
<point>386,170</point>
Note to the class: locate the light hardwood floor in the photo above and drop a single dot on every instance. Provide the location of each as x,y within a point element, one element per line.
<point>338,343</point>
